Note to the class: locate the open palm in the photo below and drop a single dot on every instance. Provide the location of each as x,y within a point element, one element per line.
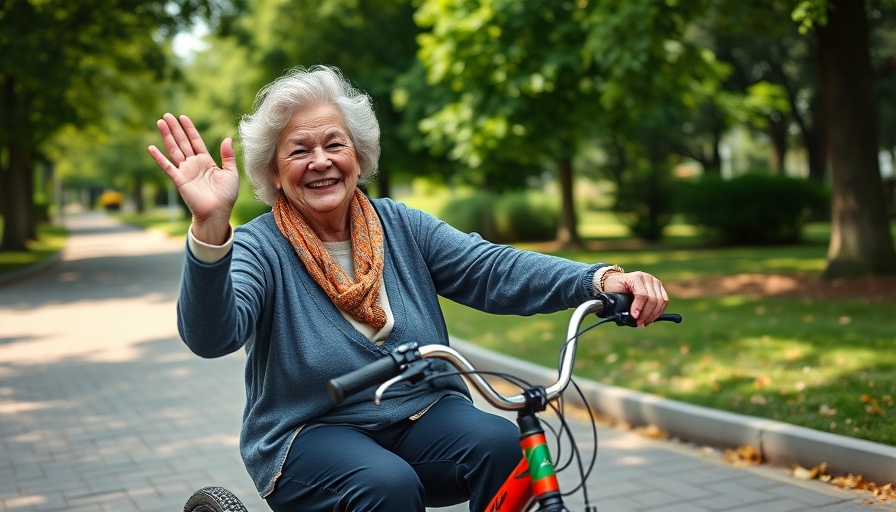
<point>208,190</point>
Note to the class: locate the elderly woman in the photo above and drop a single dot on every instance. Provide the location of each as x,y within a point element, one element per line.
<point>331,280</point>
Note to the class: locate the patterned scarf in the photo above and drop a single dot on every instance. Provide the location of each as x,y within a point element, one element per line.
<point>358,297</point>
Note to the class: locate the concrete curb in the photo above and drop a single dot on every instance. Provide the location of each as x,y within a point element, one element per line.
<point>780,443</point>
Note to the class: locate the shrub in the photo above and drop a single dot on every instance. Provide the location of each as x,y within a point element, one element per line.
<point>506,218</point>
<point>470,213</point>
<point>753,208</point>
<point>41,211</point>
<point>645,203</point>
<point>247,209</point>
<point>526,217</point>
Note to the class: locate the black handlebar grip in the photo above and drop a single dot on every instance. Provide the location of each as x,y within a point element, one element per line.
<point>614,303</point>
<point>376,372</point>
<point>669,317</point>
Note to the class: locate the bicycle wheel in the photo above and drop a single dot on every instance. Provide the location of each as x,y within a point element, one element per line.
<point>214,499</point>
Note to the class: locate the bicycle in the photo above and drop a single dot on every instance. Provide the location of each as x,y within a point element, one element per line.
<point>534,481</point>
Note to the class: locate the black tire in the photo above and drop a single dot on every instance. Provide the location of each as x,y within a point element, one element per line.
<point>214,499</point>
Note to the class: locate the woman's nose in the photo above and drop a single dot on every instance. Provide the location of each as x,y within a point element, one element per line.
<point>320,160</point>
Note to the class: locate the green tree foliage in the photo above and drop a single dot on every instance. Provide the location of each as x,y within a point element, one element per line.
<point>513,89</point>
<point>764,45</point>
<point>501,90</point>
<point>107,152</point>
<point>371,41</point>
<point>59,62</point>
<point>662,100</point>
<point>533,82</point>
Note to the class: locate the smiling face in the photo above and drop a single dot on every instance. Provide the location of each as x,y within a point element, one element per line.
<point>318,169</point>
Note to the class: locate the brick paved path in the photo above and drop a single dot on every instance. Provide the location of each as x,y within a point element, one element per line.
<point>103,408</point>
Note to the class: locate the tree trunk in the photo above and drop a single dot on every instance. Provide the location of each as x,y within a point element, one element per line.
<point>713,164</point>
<point>139,203</point>
<point>861,242</point>
<point>15,220</point>
<point>812,132</point>
<point>777,132</point>
<point>815,140</point>
<point>28,198</point>
<point>568,231</point>
<point>383,184</point>
<point>17,200</point>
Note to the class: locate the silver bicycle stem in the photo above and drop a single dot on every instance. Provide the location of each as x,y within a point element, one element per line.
<point>514,402</point>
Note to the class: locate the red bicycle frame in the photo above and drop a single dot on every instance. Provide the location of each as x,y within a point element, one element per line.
<point>534,479</point>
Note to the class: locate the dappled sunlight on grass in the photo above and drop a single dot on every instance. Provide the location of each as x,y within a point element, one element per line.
<point>796,264</point>
<point>731,301</point>
<point>673,263</point>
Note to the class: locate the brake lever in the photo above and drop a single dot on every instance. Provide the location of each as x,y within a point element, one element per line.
<point>627,320</point>
<point>417,371</point>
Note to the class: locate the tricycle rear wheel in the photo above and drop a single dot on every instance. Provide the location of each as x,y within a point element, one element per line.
<point>214,499</point>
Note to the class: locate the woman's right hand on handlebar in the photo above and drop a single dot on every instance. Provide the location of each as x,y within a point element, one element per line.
<point>650,297</point>
<point>208,190</point>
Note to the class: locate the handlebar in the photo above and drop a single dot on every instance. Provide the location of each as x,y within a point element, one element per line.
<point>397,366</point>
<point>395,363</point>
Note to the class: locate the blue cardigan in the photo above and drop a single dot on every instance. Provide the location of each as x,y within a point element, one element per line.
<point>261,298</point>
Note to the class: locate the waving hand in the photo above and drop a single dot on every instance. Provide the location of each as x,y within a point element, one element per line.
<point>208,190</point>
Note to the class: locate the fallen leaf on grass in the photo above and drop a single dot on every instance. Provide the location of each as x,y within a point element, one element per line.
<point>762,382</point>
<point>758,400</point>
<point>826,410</point>
<point>744,456</point>
<point>872,407</point>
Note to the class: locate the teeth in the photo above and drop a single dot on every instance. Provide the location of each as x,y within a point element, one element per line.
<point>321,184</point>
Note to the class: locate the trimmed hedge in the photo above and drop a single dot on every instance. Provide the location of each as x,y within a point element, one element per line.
<point>505,218</point>
<point>753,209</point>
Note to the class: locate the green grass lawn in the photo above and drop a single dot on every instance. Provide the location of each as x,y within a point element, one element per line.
<point>51,240</point>
<point>820,364</point>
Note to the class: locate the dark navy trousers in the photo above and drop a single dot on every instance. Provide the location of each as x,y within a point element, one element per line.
<point>451,454</point>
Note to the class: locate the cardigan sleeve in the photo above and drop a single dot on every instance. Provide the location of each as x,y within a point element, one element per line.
<point>220,302</point>
<point>497,278</point>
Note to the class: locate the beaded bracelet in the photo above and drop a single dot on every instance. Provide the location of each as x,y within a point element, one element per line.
<point>601,276</point>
